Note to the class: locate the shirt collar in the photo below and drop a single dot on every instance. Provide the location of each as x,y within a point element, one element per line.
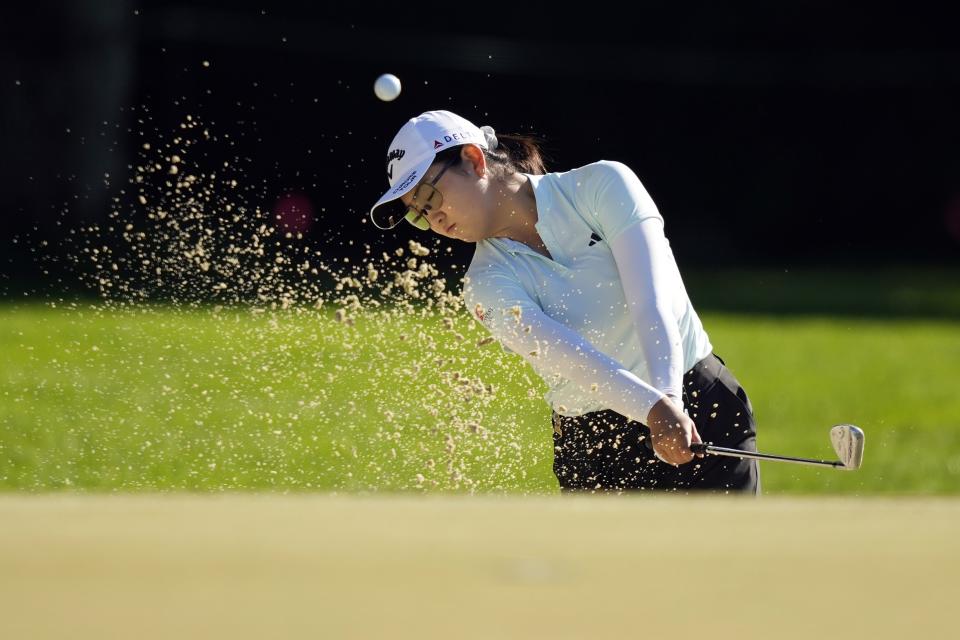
<point>542,226</point>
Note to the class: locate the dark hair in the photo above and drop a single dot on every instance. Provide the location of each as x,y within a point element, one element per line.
<point>514,154</point>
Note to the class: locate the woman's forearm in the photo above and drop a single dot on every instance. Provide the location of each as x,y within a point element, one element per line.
<point>553,349</point>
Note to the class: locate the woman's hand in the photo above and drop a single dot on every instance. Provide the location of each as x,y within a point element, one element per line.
<point>672,432</point>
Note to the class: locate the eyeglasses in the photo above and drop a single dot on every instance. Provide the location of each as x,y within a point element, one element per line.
<point>426,198</point>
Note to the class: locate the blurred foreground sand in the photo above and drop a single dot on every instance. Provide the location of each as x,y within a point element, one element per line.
<point>319,566</point>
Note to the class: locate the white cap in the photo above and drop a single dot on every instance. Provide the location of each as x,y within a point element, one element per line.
<point>413,150</point>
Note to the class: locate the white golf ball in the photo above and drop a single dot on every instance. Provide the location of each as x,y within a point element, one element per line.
<point>387,87</point>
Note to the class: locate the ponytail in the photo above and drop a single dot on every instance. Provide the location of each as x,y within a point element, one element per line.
<point>517,154</point>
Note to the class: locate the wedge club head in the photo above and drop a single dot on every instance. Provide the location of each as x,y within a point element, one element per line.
<point>848,443</point>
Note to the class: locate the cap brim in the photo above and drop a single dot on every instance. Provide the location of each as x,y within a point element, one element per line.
<point>385,216</point>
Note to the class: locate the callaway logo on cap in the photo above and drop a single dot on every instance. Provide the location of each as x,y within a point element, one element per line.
<point>411,153</point>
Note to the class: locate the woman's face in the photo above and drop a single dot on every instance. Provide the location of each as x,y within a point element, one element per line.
<point>461,214</point>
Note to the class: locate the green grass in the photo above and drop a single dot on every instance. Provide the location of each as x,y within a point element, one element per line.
<point>156,398</point>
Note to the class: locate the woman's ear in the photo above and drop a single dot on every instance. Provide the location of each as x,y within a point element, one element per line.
<point>473,157</point>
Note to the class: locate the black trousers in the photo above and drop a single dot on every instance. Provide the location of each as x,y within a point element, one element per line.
<point>603,451</point>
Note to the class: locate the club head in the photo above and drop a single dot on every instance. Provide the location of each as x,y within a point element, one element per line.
<point>848,443</point>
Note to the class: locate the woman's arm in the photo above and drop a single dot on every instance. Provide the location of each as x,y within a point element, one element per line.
<point>633,227</point>
<point>551,348</point>
<point>644,267</point>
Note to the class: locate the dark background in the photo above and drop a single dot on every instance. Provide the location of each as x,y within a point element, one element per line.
<point>782,134</point>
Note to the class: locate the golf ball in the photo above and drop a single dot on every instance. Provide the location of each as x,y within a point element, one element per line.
<point>387,87</point>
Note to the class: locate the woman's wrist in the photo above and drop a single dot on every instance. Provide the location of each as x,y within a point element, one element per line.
<point>675,400</point>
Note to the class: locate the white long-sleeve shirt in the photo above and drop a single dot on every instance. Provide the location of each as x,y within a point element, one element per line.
<point>606,321</point>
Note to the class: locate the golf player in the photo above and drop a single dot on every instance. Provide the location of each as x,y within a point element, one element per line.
<point>573,272</point>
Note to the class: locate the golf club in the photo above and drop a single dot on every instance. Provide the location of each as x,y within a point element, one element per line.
<point>847,442</point>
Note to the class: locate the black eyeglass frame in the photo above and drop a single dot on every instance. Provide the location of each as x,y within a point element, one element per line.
<point>422,212</point>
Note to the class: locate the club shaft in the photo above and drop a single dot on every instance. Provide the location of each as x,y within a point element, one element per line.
<point>737,453</point>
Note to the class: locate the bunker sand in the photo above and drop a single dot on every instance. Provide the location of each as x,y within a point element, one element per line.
<point>245,566</point>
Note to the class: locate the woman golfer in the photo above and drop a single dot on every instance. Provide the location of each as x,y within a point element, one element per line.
<point>572,271</point>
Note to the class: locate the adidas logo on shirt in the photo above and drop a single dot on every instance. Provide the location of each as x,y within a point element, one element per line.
<point>594,239</point>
